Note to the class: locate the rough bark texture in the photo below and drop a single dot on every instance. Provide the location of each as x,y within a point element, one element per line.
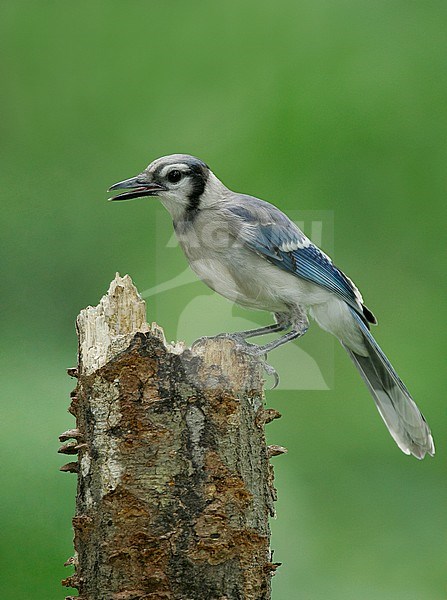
<point>174,481</point>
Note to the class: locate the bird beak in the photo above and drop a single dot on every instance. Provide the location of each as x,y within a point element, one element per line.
<point>138,187</point>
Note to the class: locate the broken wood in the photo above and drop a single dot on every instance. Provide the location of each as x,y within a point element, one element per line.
<point>174,483</point>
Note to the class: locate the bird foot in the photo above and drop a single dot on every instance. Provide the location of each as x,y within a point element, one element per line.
<point>251,349</point>
<point>258,352</point>
<point>235,337</point>
<point>272,372</point>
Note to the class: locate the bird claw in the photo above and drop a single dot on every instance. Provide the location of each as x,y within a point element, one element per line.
<point>235,337</point>
<point>259,352</point>
<point>270,370</point>
<point>251,349</point>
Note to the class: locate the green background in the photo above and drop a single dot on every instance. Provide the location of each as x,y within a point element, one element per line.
<point>316,105</point>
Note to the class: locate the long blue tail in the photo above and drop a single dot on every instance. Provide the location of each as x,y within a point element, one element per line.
<point>404,420</point>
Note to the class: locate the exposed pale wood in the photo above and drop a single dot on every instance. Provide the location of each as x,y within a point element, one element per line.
<point>106,329</point>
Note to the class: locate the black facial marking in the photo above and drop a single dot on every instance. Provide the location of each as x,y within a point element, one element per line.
<point>199,177</point>
<point>198,173</point>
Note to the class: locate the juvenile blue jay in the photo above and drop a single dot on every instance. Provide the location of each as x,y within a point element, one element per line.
<point>250,252</point>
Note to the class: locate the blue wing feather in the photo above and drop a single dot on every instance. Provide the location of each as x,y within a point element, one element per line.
<point>279,240</point>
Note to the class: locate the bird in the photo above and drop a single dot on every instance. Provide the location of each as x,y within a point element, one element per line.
<point>250,252</point>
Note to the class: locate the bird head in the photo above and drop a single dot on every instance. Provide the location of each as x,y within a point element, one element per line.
<point>179,180</point>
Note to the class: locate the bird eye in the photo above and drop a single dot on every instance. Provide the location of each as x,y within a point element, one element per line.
<point>174,176</point>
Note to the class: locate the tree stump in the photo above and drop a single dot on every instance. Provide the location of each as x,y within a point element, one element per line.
<point>174,482</point>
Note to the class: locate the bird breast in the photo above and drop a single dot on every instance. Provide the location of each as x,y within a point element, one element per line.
<point>238,273</point>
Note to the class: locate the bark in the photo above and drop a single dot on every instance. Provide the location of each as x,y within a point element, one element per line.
<point>174,482</point>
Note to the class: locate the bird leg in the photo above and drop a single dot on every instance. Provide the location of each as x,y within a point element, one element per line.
<point>300,325</point>
<point>259,351</point>
<point>283,322</point>
<point>256,350</point>
<point>274,328</point>
<point>297,320</point>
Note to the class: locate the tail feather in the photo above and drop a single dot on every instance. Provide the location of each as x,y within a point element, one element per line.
<point>403,418</point>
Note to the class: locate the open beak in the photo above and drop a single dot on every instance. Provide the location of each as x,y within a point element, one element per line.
<point>137,188</point>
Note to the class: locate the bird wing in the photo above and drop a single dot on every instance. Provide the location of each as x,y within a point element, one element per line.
<point>270,233</point>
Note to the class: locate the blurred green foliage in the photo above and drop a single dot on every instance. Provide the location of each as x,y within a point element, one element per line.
<point>314,105</point>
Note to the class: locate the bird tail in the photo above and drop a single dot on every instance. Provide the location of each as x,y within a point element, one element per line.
<point>404,420</point>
